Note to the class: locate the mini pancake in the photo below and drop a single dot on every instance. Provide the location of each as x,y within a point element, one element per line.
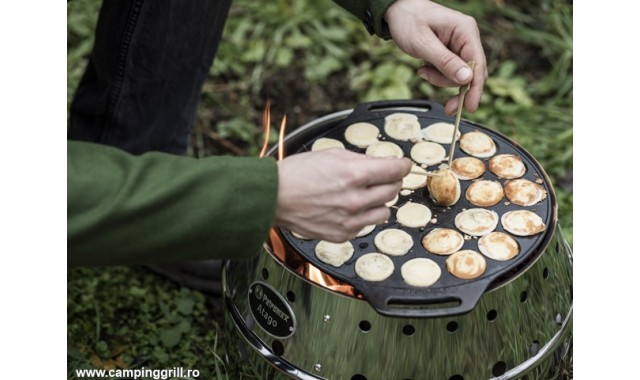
<point>467,168</point>
<point>301,237</point>
<point>361,134</point>
<point>413,215</point>
<point>522,223</point>
<point>477,144</point>
<point>366,230</point>
<point>428,153</point>
<point>420,272</point>
<point>402,126</point>
<point>393,201</point>
<point>498,246</point>
<point>524,192</point>
<point>466,264</point>
<point>477,221</point>
<point>484,193</point>
<point>393,242</point>
<point>384,149</point>
<point>335,254</point>
<point>440,132</point>
<point>325,143</point>
<point>507,166</point>
<point>444,187</point>
<point>374,267</point>
<point>443,241</point>
<point>414,181</point>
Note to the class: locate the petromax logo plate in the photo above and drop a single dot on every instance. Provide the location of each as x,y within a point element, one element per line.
<point>271,311</point>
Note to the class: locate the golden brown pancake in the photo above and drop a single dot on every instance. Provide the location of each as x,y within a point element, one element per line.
<point>522,223</point>
<point>443,241</point>
<point>507,166</point>
<point>444,187</point>
<point>420,272</point>
<point>468,168</point>
<point>466,264</point>
<point>498,246</point>
<point>484,193</point>
<point>477,144</point>
<point>524,192</point>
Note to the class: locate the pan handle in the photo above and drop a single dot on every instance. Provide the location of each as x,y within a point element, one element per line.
<point>413,105</point>
<point>429,304</point>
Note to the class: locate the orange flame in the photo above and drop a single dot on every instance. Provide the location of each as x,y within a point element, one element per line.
<point>289,256</point>
<point>266,123</point>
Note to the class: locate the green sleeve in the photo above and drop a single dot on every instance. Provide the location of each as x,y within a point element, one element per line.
<point>371,13</point>
<point>125,209</point>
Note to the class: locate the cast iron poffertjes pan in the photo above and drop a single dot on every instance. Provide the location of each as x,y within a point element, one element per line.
<point>449,295</point>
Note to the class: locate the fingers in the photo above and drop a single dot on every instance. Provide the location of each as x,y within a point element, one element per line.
<point>386,170</point>
<point>432,50</point>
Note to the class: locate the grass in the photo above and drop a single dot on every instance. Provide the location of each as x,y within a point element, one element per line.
<point>310,58</point>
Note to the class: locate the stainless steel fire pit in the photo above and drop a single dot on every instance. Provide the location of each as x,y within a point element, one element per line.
<point>518,327</point>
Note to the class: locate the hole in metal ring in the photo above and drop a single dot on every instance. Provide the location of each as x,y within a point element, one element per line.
<point>523,297</point>
<point>545,273</point>
<point>408,330</point>
<point>534,348</point>
<point>291,296</point>
<point>499,368</point>
<point>265,273</point>
<point>358,377</point>
<point>456,377</point>
<point>452,326</point>
<point>277,347</point>
<point>365,326</point>
<point>492,315</point>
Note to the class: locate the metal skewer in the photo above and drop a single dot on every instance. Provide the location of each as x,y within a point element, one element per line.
<point>463,92</point>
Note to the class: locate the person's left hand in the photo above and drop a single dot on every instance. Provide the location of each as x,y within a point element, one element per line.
<point>445,39</point>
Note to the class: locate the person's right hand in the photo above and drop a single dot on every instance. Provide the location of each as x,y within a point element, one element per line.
<point>332,194</point>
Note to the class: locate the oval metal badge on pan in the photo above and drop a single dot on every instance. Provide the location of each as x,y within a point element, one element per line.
<point>271,311</point>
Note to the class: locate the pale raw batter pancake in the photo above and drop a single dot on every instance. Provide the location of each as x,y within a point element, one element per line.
<point>414,181</point>
<point>498,246</point>
<point>393,201</point>
<point>477,221</point>
<point>524,192</point>
<point>477,144</point>
<point>466,264</point>
<point>326,143</point>
<point>402,126</point>
<point>522,223</point>
<point>299,236</point>
<point>440,132</point>
<point>366,230</point>
<point>393,242</point>
<point>507,166</point>
<point>420,272</point>
<point>444,187</point>
<point>428,153</point>
<point>384,149</point>
<point>361,134</point>
<point>485,193</point>
<point>335,254</point>
<point>443,241</point>
<point>374,267</point>
<point>413,215</point>
<point>467,168</point>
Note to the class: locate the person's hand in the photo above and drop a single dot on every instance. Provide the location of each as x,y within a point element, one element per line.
<point>332,194</point>
<point>446,40</point>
